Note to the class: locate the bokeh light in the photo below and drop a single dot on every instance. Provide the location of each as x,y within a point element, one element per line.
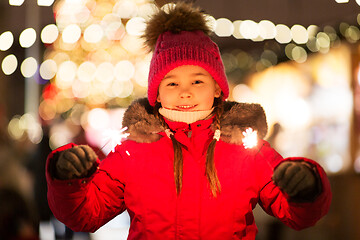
<point>299,34</point>
<point>48,69</point>
<point>45,3</point>
<point>136,26</point>
<point>86,71</point>
<point>124,70</point>
<point>105,72</point>
<point>283,34</point>
<point>93,33</point>
<point>49,34</point>
<point>125,9</point>
<point>9,64</point>
<point>29,67</point>
<point>27,38</point>
<point>71,33</point>
<point>224,27</point>
<point>6,41</point>
<point>16,2</point>
<point>249,29</point>
<point>267,29</point>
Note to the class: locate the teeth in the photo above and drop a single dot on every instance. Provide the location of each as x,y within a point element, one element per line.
<point>186,106</point>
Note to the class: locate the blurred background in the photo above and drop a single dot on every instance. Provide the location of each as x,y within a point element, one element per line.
<point>69,68</point>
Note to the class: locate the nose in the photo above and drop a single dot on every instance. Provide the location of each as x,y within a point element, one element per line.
<point>185,93</point>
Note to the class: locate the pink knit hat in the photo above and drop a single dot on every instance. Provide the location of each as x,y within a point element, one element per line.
<point>182,45</point>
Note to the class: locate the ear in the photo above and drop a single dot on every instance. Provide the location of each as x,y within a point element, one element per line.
<point>158,98</point>
<point>217,90</point>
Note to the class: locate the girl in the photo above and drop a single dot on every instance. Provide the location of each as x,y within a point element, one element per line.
<point>186,171</point>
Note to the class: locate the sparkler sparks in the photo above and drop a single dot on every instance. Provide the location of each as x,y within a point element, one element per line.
<point>250,138</point>
<point>114,137</point>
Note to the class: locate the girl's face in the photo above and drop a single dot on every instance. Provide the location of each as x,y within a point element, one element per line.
<point>188,88</point>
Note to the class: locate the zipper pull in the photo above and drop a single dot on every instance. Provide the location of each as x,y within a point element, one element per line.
<point>189,132</point>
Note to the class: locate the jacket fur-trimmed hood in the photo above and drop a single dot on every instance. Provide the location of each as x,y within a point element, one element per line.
<point>144,127</point>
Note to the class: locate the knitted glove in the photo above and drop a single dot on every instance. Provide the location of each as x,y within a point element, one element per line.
<point>76,162</point>
<point>297,180</point>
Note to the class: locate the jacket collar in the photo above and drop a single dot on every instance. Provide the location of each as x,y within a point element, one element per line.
<point>144,127</point>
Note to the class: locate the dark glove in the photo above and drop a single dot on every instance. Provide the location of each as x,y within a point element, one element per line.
<point>76,162</point>
<point>297,180</point>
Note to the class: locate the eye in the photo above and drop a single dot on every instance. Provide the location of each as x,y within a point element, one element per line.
<point>198,82</point>
<point>171,84</point>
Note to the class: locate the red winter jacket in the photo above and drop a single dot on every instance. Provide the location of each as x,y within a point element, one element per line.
<point>138,177</point>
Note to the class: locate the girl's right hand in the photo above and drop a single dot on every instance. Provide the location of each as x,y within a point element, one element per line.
<point>76,162</point>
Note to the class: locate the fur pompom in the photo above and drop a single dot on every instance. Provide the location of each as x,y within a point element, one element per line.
<point>176,18</point>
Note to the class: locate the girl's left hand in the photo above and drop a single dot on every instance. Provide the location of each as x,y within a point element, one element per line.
<point>296,179</point>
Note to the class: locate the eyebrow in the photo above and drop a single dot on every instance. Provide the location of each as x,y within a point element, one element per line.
<point>193,75</point>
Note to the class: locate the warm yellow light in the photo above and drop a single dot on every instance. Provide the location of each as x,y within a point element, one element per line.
<point>27,38</point>
<point>71,33</point>
<point>81,89</point>
<point>125,9</point>
<point>14,129</point>
<point>98,118</point>
<point>45,3</point>
<point>49,34</point>
<point>283,34</point>
<point>267,29</point>
<point>323,41</point>
<point>237,33</point>
<point>312,30</point>
<point>47,109</point>
<point>6,40</point>
<point>224,27</point>
<point>299,34</point>
<point>93,33</point>
<point>342,1</point>
<point>16,2</point>
<point>124,70</point>
<point>249,29</point>
<point>136,26</point>
<point>9,64</point>
<point>299,54</point>
<point>115,31</point>
<point>142,72</point>
<point>86,71</point>
<point>210,22</point>
<point>48,69</point>
<point>66,74</point>
<point>29,67</point>
<point>105,72</point>
<point>242,93</point>
<point>147,10</point>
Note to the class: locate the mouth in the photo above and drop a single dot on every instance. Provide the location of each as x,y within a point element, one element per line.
<point>185,107</point>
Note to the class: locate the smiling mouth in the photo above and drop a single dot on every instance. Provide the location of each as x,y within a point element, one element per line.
<point>186,107</point>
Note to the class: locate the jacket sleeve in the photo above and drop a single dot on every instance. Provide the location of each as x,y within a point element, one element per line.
<point>297,215</point>
<point>85,204</point>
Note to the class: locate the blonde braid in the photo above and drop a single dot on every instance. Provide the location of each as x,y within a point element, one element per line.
<point>211,174</point>
<point>178,156</point>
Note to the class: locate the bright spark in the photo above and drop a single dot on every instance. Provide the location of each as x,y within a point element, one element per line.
<point>114,137</point>
<point>250,138</point>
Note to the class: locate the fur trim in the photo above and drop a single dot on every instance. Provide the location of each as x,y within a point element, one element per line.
<point>238,117</point>
<point>141,122</point>
<point>181,17</point>
<point>143,126</point>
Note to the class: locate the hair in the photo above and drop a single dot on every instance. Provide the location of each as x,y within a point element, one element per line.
<point>210,169</point>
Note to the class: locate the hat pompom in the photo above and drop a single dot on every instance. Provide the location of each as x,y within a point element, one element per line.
<point>176,18</point>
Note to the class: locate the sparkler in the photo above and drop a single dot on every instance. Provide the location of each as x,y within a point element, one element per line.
<point>250,138</point>
<point>113,137</point>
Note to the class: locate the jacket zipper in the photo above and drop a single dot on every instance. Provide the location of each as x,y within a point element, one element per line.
<point>189,132</point>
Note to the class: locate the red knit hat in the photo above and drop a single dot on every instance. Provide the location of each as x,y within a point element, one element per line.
<point>181,38</point>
